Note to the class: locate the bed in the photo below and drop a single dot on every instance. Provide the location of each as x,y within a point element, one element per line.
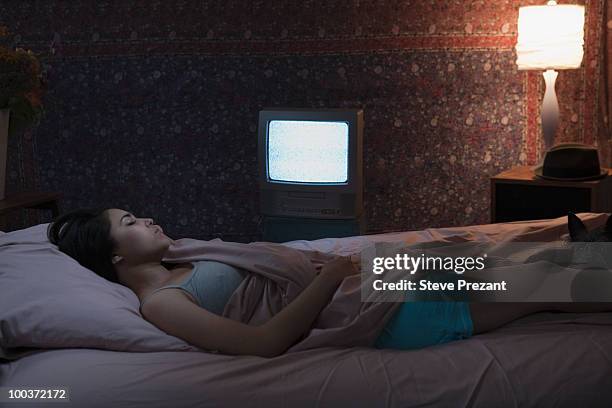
<point>542,360</point>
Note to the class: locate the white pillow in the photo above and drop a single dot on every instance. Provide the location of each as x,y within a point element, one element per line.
<point>48,300</point>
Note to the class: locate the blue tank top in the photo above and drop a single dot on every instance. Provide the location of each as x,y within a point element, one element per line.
<point>211,283</point>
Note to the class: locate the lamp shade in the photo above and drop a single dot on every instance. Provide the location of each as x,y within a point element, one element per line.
<point>550,36</point>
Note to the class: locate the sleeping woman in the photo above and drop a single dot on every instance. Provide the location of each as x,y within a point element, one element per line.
<point>186,300</point>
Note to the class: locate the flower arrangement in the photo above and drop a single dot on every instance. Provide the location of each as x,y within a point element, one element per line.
<point>21,87</point>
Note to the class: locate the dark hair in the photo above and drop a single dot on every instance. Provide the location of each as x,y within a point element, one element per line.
<point>84,235</point>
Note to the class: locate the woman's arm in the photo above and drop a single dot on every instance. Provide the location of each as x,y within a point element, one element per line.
<point>288,325</point>
<point>178,316</point>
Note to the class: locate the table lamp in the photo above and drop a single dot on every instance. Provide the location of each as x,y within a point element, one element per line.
<point>550,37</point>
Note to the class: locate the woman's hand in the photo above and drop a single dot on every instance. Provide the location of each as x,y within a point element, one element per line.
<point>339,268</point>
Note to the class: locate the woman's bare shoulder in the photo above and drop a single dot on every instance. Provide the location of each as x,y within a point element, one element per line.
<point>162,296</point>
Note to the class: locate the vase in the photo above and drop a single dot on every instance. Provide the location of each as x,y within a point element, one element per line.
<point>4,123</point>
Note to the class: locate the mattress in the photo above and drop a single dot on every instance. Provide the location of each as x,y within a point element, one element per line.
<point>545,359</point>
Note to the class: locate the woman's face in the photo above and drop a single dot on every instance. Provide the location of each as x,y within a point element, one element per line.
<point>138,240</point>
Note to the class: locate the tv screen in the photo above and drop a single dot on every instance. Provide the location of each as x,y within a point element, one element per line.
<point>310,162</point>
<point>308,151</point>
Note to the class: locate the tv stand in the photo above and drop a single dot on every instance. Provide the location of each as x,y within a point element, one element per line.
<point>283,229</point>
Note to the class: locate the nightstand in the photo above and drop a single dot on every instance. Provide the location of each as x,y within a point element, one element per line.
<point>38,200</point>
<point>518,195</point>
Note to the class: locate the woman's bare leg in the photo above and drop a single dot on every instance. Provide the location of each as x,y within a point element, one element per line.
<point>489,316</point>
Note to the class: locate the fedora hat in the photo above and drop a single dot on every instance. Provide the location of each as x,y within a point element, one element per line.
<point>571,162</point>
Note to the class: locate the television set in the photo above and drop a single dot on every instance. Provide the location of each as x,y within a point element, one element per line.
<point>311,162</point>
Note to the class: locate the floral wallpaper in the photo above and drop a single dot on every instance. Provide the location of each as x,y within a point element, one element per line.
<point>153,106</point>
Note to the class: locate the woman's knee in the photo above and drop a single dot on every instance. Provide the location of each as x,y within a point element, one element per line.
<point>489,316</point>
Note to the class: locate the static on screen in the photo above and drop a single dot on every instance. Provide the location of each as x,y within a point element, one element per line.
<point>308,151</point>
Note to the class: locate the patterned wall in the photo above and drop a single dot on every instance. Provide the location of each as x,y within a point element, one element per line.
<point>154,108</point>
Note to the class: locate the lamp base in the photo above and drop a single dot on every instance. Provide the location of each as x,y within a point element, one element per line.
<point>550,111</point>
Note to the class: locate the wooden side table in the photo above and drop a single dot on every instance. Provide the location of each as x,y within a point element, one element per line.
<point>26,200</point>
<point>517,195</point>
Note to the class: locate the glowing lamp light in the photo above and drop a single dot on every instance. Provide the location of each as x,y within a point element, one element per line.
<point>550,37</point>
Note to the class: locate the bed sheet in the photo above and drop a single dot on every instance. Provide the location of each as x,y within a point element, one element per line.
<point>547,359</point>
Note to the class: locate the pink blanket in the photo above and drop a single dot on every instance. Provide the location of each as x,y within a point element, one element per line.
<point>280,273</point>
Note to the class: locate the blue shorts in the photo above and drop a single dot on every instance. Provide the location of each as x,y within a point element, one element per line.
<point>418,324</point>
